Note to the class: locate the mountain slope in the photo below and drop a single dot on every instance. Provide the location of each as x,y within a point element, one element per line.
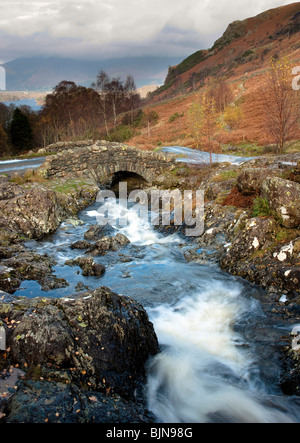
<point>244,47</point>
<point>242,56</point>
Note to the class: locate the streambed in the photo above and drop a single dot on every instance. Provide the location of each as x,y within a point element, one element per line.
<point>218,360</point>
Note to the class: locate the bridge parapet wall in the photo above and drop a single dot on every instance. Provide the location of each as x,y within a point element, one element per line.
<point>102,159</point>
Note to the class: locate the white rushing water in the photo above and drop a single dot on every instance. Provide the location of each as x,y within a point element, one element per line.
<point>137,228</point>
<point>203,372</point>
<point>201,375</point>
<point>207,371</point>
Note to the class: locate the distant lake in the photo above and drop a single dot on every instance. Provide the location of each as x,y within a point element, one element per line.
<point>28,102</point>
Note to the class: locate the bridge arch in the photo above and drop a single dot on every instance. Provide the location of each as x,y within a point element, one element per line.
<point>107,172</point>
<point>133,181</point>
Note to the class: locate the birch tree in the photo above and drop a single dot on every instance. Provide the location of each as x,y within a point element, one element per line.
<point>204,123</point>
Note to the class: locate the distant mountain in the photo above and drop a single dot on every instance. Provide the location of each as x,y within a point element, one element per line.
<point>144,90</point>
<point>43,73</point>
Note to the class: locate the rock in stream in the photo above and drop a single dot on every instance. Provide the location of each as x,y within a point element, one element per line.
<point>93,345</point>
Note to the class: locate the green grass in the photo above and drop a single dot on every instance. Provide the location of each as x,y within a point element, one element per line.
<point>224,175</point>
<point>244,150</point>
<point>68,186</point>
<point>121,134</point>
<point>248,53</point>
<point>191,61</point>
<point>293,147</point>
<point>254,150</point>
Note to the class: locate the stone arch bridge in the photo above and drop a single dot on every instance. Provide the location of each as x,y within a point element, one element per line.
<point>101,161</point>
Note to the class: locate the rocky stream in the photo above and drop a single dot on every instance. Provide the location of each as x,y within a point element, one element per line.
<point>137,323</point>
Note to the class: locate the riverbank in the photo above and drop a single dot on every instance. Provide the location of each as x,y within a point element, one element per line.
<point>261,247</point>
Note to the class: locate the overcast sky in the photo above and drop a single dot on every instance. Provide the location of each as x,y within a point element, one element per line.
<point>94,29</point>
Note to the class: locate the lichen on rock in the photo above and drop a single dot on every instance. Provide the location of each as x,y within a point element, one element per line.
<point>98,341</point>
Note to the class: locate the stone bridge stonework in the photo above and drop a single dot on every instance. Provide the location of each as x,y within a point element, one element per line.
<point>101,160</point>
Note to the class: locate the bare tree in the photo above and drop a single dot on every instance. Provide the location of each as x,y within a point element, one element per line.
<point>101,86</point>
<point>70,111</point>
<point>132,97</point>
<point>221,92</point>
<point>280,104</point>
<point>193,80</point>
<point>115,93</point>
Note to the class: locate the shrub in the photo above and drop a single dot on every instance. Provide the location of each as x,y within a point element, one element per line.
<point>121,134</point>
<point>175,116</point>
<point>127,120</point>
<point>261,207</point>
<point>247,53</point>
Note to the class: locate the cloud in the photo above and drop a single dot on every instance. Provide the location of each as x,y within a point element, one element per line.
<point>110,28</point>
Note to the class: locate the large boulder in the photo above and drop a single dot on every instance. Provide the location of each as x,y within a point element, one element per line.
<point>88,266</point>
<point>37,211</point>
<point>95,232</point>
<point>23,265</point>
<point>105,244</point>
<point>33,214</point>
<point>284,198</point>
<point>214,190</point>
<point>254,255</point>
<point>10,190</point>
<point>98,339</point>
<point>250,180</point>
<point>257,233</point>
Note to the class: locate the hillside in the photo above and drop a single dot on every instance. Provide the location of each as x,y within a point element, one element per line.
<point>242,56</point>
<point>244,47</point>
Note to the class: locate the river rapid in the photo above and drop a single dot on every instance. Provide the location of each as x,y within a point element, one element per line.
<point>217,362</point>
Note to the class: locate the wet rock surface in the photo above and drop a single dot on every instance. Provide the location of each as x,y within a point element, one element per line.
<point>33,211</point>
<point>105,244</point>
<point>91,346</point>
<point>50,402</point>
<point>27,265</point>
<point>95,232</point>
<point>290,377</point>
<point>88,266</point>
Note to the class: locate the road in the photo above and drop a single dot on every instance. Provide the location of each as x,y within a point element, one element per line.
<point>10,166</point>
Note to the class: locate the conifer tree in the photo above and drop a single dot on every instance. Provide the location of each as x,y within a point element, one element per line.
<point>21,132</point>
<point>3,141</point>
